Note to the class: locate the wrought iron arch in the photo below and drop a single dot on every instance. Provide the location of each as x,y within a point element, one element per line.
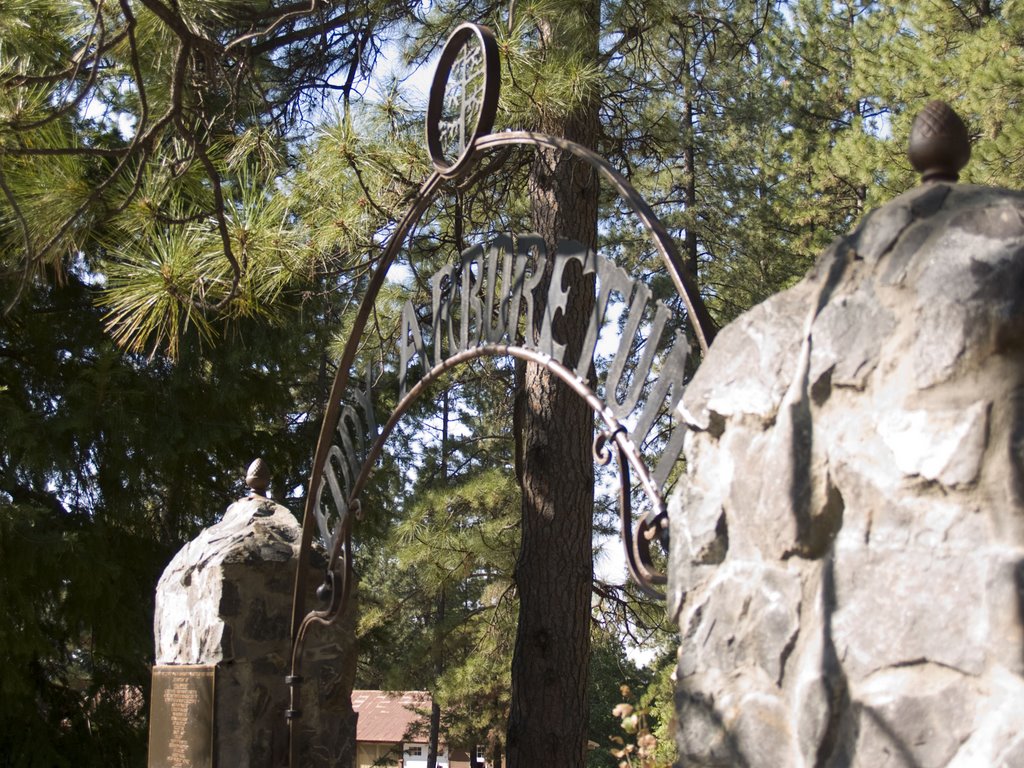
<point>355,469</point>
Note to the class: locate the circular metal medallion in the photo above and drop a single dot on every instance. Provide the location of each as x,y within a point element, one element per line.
<point>463,97</point>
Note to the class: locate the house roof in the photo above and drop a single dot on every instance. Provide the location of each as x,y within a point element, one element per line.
<point>393,717</point>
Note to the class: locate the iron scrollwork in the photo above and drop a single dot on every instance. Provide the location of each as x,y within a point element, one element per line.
<point>463,98</point>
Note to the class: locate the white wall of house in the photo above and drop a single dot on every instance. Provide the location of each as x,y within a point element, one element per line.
<point>415,756</point>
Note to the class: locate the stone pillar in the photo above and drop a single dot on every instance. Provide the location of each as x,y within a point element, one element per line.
<point>847,564</point>
<point>224,604</point>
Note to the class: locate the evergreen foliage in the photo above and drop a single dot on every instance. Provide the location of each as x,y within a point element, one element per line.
<point>109,462</point>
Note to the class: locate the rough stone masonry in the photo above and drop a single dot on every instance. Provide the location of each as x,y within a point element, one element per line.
<point>847,565</point>
<point>225,601</point>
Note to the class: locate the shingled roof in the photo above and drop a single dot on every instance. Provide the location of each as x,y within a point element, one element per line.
<point>392,717</point>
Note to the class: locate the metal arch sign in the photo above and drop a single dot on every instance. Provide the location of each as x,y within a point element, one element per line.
<point>486,304</point>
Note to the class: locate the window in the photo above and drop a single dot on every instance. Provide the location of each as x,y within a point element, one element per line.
<point>414,751</point>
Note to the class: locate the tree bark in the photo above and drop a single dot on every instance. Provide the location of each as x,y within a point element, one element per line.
<point>554,570</point>
<point>434,735</point>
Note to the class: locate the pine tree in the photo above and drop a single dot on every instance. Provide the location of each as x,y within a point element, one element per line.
<point>554,569</point>
<point>144,137</point>
<point>858,74</point>
<point>109,463</point>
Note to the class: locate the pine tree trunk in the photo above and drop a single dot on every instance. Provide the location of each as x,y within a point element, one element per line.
<point>554,571</point>
<point>435,730</point>
<point>434,735</point>
<point>690,252</point>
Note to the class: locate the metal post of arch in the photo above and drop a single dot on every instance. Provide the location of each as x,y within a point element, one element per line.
<point>457,137</point>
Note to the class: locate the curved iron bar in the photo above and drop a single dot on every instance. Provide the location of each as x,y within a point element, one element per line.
<point>341,380</point>
<point>338,599</point>
<point>638,558</point>
<point>638,550</point>
<point>673,263</point>
<point>699,318</point>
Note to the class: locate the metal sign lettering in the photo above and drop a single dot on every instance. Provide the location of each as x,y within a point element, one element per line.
<point>490,294</point>
<point>355,430</point>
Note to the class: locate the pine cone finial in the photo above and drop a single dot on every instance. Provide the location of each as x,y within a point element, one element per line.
<point>939,144</point>
<point>257,477</point>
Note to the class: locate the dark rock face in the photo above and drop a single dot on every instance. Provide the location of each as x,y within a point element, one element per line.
<point>225,600</point>
<point>847,564</point>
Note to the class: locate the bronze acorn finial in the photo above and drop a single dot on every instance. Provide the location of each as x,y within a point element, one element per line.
<point>257,477</point>
<point>939,144</point>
